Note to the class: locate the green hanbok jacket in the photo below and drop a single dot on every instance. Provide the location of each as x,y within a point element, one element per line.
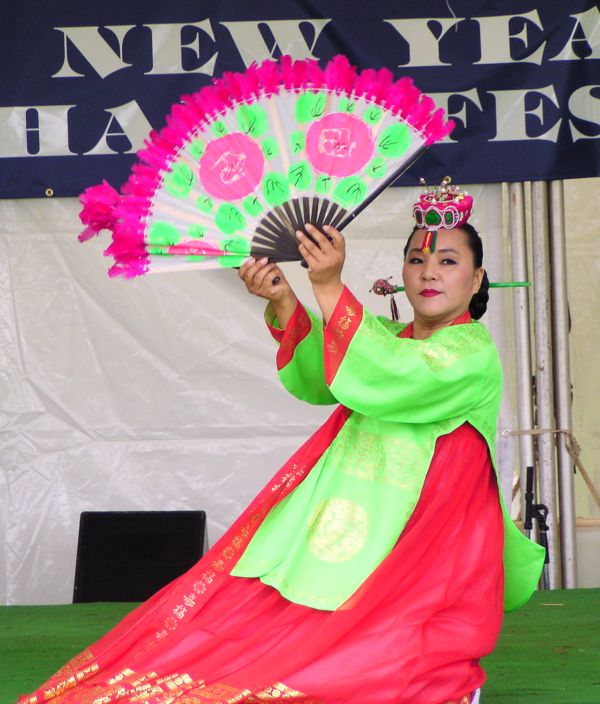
<point>320,543</point>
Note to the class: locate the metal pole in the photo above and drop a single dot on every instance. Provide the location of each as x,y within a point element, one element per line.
<point>543,373</point>
<point>518,249</point>
<point>562,383</point>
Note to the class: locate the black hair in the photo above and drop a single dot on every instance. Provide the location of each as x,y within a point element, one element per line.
<point>478,304</point>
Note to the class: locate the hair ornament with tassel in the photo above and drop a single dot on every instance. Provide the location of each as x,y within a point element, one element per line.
<point>383,287</point>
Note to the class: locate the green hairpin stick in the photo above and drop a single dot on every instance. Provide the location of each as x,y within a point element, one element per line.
<point>510,284</point>
<point>497,284</point>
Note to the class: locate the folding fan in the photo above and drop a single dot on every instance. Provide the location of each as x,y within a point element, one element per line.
<point>244,163</point>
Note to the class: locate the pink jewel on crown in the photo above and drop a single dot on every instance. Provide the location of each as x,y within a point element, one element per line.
<point>444,206</point>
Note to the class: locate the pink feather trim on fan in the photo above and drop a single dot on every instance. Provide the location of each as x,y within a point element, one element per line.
<point>98,211</point>
<point>437,127</point>
<point>268,77</point>
<point>125,214</point>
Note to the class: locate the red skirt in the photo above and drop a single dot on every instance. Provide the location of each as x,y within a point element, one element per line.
<point>413,633</point>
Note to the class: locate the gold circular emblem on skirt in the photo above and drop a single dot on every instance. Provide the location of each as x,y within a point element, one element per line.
<point>338,530</point>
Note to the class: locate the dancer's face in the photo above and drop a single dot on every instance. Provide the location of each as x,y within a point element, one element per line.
<point>440,285</point>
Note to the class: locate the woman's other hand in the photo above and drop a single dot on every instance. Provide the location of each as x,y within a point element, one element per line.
<point>266,280</point>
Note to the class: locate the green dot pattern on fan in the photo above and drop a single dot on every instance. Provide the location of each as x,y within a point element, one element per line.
<point>323,184</point>
<point>394,141</point>
<point>229,219</point>
<point>179,180</point>
<point>350,191</point>
<point>297,141</point>
<point>197,148</point>
<point>276,188</point>
<point>252,205</point>
<point>372,115</point>
<point>161,236</point>
<point>346,105</point>
<point>205,204</point>
<point>219,128</point>
<point>310,106</point>
<point>237,245</point>
<point>300,175</point>
<point>252,120</point>
<point>270,148</point>
<point>196,232</point>
<point>376,168</point>
<point>432,218</point>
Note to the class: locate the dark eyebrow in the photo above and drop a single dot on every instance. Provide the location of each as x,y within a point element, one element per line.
<point>441,251</point>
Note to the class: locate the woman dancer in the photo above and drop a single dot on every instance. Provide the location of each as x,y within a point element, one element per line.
<point>375,566</point>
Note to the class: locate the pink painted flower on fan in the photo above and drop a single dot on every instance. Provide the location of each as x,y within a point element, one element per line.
<point>339,144</point>
<point>231,166</point>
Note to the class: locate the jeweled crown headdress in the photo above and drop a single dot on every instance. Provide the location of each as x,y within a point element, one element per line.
<point>444,206</point>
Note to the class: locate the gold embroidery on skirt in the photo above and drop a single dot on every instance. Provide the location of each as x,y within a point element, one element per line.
<point>74,671</point>
<point>141,688</point>
<point>280,691</point>
<point>217,693</point>
<point>135,686</point>
<point>162,690</point>
<point>462,700</point>
<point>97,694</point>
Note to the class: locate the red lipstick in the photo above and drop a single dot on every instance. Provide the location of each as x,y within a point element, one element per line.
<point>429,292</point>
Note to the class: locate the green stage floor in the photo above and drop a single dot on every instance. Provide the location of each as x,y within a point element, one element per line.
<point>548,653</point>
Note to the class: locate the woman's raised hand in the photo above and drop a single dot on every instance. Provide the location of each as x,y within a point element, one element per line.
<point>325,258</point>
<point>325,255</point>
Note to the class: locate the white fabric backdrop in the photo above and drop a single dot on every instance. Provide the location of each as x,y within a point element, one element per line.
<point>159,393</point>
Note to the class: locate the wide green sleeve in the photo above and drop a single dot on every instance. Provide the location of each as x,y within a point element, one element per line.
<point>371,370</point>
<point>300,355</point>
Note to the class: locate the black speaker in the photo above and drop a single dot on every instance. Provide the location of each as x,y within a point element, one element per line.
<point>130,555</point>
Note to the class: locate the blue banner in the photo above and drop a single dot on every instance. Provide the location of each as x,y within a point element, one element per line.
<point>83,83</point>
